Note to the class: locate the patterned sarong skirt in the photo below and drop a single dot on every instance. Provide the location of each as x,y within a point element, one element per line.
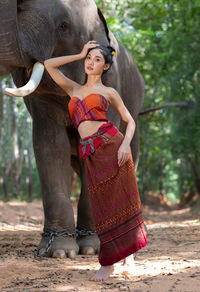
<point>113,194</point>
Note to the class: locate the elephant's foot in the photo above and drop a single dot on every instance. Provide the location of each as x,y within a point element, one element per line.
<point>88,244</point>
<point>58,247</point>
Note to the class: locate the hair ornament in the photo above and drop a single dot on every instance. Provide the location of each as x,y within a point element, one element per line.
<point>113,52</point>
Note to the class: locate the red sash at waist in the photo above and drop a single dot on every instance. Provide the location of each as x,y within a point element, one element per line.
<point>89,144</point>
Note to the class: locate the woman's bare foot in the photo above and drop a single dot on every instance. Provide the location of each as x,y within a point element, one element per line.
<point>103,273</point>
<point>127,267</point>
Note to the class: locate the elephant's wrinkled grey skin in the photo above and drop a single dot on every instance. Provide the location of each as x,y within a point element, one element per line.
<point>38,30</point>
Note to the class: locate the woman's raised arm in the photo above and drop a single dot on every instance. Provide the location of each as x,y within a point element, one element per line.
<point>52,65</point>
<point>63,81</point>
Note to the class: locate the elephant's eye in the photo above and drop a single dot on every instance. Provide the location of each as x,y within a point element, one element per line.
<point>63,26</point>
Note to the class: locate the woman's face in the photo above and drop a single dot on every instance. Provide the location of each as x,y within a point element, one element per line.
<point>95,63</point>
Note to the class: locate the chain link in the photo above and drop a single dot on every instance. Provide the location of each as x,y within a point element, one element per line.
<point>53,234</point>
<point>83,232</point>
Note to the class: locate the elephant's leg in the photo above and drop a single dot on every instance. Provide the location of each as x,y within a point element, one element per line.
<point>88,242</point>
<point>52,152</point>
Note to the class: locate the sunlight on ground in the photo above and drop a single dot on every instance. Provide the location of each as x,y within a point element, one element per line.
<point>165,224</point>
<point>21,216</point>
<point>28,226</point>
<point>20,227</point>
<point>145,269</point>
<point>15,203</point>
<point>152,267</point>
<point>70,288</point>
<point>158,266</point>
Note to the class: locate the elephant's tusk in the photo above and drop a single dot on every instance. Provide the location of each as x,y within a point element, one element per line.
<point>31,85</point>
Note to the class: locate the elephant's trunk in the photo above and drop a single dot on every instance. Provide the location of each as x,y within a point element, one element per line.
<point>10,52</point>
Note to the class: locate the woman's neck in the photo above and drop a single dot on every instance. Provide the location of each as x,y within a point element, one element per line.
<point>93,81</point>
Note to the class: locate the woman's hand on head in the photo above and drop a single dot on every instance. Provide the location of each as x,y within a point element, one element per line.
<point>123,154</point>
<point>87,46</point>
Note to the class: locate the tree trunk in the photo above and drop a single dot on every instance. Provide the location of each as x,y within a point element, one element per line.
<point>193,159</point>
<point>162,165</point>
<point>30,175</point>
<point>5,187</point>
<point>1,108</point>
<point>194,165</point>
<point>18,161</point>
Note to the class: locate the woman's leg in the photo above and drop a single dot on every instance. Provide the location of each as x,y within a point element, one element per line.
<point>126,268</point>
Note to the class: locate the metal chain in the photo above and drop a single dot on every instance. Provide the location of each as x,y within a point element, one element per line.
<point>53,234</point>
<point>49,243</point>
<point>84,232</point>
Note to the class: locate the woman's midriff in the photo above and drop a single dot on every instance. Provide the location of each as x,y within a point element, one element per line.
<point>87,128</point>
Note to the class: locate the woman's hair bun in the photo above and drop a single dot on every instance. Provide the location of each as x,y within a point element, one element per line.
<point>112,51</point>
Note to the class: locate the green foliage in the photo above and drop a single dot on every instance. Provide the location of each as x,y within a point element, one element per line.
<point>163,37</point>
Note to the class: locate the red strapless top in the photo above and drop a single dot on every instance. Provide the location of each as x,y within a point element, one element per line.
<point>93,107</point>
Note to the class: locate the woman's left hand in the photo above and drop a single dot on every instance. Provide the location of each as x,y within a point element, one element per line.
<point>123,154</point>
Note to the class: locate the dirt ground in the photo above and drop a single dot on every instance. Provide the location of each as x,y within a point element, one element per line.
<point>170,262</point>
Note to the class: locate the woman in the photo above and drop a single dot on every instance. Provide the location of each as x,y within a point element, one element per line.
<point>109,167</point>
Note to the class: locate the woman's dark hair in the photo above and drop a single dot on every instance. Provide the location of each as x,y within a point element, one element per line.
<point>107,53</point>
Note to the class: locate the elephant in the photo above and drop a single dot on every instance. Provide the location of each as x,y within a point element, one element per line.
<point>35,30</point>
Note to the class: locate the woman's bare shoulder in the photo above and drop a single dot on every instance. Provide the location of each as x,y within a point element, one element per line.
<point>77,91</point>
<point>112,93</point>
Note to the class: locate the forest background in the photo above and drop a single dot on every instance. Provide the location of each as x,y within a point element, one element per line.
<point>163,38</point>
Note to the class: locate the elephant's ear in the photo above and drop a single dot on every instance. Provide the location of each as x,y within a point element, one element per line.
<point>104,23</point>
